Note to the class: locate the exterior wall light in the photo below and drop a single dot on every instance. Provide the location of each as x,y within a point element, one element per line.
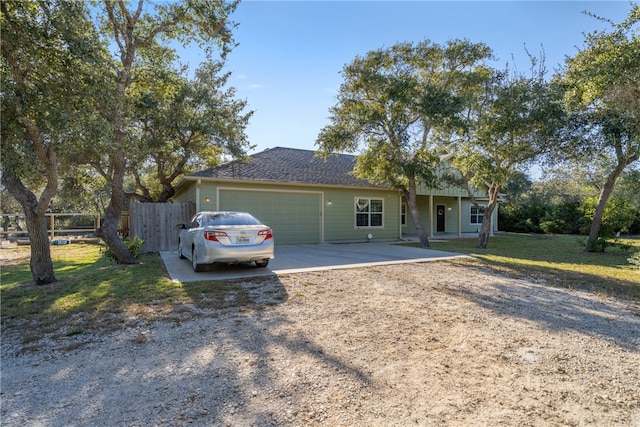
<point>207,200</point>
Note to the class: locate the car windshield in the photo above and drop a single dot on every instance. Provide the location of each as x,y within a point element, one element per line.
<point>231,218</point>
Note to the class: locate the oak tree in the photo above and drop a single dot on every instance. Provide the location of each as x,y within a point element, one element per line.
<point>391,105</point>
<point>50,60</point>
<point>510,123</point>
<point>602,97</point>
<point>145,30</point>
<point>182,126</point>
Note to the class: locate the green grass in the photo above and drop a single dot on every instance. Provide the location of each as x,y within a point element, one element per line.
<point>94,293</point>
<point>558,260</point>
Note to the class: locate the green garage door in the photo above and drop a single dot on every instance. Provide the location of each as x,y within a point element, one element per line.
<point>294,217</point>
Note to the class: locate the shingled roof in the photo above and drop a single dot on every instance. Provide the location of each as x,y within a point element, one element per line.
<point>289,165</point>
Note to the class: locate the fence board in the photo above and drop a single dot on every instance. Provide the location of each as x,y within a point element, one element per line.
<point>155,223</point>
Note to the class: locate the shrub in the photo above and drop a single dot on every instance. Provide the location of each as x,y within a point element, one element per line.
<point>601,243</point>
<point>634,260</point>
<point>134,245</point>
<point>619,216</point>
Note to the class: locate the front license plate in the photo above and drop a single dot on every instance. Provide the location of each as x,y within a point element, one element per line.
<point>242,240</point>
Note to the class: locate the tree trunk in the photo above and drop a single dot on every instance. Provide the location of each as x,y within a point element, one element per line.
<point>596,223</point>
<point>109,229</point>
<point>487,212</point>
<point>118,166</point>
<point>40,262</point>
<point>5,226</point>
<point>485,228</point>
<point>411,197</point>
<point>35,217</point>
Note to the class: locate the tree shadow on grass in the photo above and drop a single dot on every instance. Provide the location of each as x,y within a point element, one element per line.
<point>557,277</point>
<point>557,309</point>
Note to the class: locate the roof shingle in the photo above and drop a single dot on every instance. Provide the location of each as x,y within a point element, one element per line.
<point>289,165</point>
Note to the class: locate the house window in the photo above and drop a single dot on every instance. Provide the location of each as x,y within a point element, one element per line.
<point>476,215</point>
<point>368,212</point>
<point>403,214</point>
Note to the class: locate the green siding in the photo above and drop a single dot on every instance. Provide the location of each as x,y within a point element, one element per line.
<point>445,188</point>
<point>467,226</point>
<point>186,195</point>
<point>293,216</point>
<point>423,208</point>
<point>340,222</point>
<point>310,214</point>
<point>451,215</point>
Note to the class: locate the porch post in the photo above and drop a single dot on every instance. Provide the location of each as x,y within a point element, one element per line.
<point>459,216</point>
<point>494,221</point>
<point>430,215</point>
<point>399,214</point>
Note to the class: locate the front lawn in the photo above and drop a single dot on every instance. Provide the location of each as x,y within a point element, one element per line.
<point>558,260</point>
<point>93,292</point>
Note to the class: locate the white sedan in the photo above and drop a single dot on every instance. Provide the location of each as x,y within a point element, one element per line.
<point>225,237</point>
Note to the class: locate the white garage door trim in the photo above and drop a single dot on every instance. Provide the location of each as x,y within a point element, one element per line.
<point>262,190</point>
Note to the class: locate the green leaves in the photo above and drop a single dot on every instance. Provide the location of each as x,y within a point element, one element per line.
<point>509,125</point>
<point>602,87</point>
<point>183,125</point>
<point>395,103</point>
<point>397,106</point>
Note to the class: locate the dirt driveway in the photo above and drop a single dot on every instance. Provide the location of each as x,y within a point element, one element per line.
<point>430,344</point>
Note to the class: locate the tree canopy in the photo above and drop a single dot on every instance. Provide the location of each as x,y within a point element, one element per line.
<point>181,126</point>
<point>75,85</point>
<point>141,36</point>
<point>602,96</point>
<point>51,57</point>
<point>393,105</point>
<point>509,125</point>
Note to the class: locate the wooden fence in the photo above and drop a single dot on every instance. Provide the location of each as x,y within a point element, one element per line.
<point>60,224</point>
<point>155,223</point>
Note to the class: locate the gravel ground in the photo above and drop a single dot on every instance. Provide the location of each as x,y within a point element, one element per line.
<point>414,344</point>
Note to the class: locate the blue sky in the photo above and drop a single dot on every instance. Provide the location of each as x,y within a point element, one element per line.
<point>288,63</point>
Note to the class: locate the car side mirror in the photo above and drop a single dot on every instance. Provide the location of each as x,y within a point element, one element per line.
<point>181,226</point>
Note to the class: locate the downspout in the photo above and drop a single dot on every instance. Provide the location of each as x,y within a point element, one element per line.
<point>198,182</point>
<point>322,217</point>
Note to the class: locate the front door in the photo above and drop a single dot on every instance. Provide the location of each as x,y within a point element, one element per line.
<point>440,209</point>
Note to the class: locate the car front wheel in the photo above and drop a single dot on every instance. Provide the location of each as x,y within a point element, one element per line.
<point>180,250</point>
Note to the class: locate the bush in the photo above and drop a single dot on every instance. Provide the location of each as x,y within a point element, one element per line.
<point>601,243</point>
<point>634,260</point>
<point>597,245</point>
<point>552,227</point>
<point>619,216</point>
<point>134,245</point>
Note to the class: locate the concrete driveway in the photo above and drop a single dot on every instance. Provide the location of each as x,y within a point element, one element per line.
<point>300,258</point>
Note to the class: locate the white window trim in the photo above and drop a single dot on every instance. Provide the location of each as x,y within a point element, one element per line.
<point>355,213</point>
<point>404,209</point>
<point>477,215</point>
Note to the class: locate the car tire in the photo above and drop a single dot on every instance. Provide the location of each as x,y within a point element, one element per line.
<point>180,250</point>
<point>262,263</point>
<point>194,262</point>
